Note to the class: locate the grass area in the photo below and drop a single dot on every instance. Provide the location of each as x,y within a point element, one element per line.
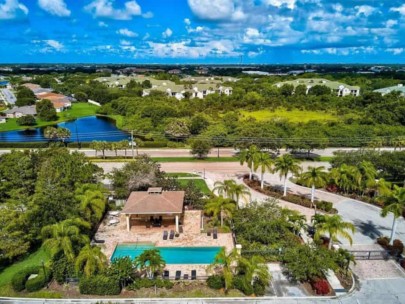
<point>292,116</point>
<point>34,259</point>
<point>200,183</point>
<point>79,109</point>
<point>182,174</point>
<point>167,159</point>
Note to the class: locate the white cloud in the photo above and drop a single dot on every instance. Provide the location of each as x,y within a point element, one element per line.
<point>187,21</point>
<point>102,24</point>
<point>365,10</point>
<point>345,51</point>
<point>126,32</point>
<point>212,10</point>
<point>146,37</point>
<point>12,9</point>
<point>54,44</point>
<point>105,9</point>
<point>54,7</point>
<point>278,3</point>
<point>167,33</point>
<point>147,15</point>
<point>129,48</point>
<point>396,51</point>
<point>49,46</point>
<point>400,9</point>
<point>391,23</point>
<point>125,42</point>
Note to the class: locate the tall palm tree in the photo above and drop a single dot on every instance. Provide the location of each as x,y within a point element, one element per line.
<point>91,260</point>
<point>224,188</point>
<point>150,261</point>
<point>65,236</point>
<point>346,177</point>
<point>238,191</point>
<point>335,226</point>
<point>254,268</point>
<point>220,206</point>
<point>248,156</point>
<point>368,174</point>
<point>314,177</point>
<point>228,264</point>
<point>92,201</point>
<point>263,161</point>
<point>394,203</point>
<point>284,165</point>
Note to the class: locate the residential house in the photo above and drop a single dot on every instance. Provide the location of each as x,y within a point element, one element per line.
<point>18,112</point>
<point>398,88</point>
<point>2,119</point>
<point>60,102</point>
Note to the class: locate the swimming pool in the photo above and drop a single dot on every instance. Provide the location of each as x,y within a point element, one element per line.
<point>171,255</point>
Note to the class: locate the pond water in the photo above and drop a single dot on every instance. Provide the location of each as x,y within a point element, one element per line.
<point>85,129</point>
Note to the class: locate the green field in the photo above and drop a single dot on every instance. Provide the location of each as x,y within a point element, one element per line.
<point>80,109</point>
<point>34,259</point>
<point>292,116</point>
<point>181,174</point>
<point>200,183</point>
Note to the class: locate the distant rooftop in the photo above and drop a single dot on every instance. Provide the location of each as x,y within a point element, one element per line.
<point>398,88</point>
<point>334,85</point>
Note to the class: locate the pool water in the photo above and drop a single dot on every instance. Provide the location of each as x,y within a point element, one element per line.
<point>171,255</point>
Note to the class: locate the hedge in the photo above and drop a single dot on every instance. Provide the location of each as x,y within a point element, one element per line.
<point>148,283</point>
<point>20,281</point>
<point>100,285</point>
<point>30,145</point>
<point>216,282</point>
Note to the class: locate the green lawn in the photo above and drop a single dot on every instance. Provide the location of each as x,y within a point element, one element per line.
<point>200,183</point>
<point>79,109</point>
<point>292,116</point>
<point>181,174</point>
<point>34,259</point>
<point>166,159</point>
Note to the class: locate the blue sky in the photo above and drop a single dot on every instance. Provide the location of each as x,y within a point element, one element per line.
<point>202,31</point>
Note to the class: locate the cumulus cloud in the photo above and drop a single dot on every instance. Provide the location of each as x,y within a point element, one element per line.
<point>212,10</point>
<point>396,51</point>
<point>147,15</point>
<point>278,3</point>
<point>102,24</point>
<point>106,9</point>
<point>12,9</point>
<point>400,9</point>
<point>365,10</point>
<point>167,33</point>
<point>187,21</point>
<point>126,32</point>
<point>55,7</point>
<point>49,46</point>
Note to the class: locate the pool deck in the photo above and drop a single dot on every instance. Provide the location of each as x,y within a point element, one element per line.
<point>191,237</point>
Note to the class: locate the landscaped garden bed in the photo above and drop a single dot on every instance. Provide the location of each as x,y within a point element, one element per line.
<point>292,198</point>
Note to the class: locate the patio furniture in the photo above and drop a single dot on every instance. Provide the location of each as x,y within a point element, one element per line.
<point>165,235</point>
<point>171,236</point>
<point>98,241</point>
<point>148,225</point>
<point>215,234</point>
<point>166,274</point>
<point>114,213</point>
<point>185,277</point>
<point>181,229</point>
<point>209,232</point>
<point>113,222</point>
<point>194,274</point>
<point>178,275</point>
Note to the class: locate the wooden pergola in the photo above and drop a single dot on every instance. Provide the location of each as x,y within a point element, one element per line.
<point>154,203</point>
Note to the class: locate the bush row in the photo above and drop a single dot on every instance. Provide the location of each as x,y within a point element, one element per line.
<point>20,281</point>
<point>100,285</point>
<point>148,283</point>
<point>396,249</point>
<point>218,282</point>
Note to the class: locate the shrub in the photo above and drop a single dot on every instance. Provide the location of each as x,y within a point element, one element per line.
<point>148,283</point>
<point>383,241</point>
<point>321,287</point>
<point>20,280</point>
<point>99,285</point>
<point>216,282</point>
<point>62,269</point>
<point>259,288</point>
<point>397,248</point>
<point>39,281</point>
<point>240,284</point>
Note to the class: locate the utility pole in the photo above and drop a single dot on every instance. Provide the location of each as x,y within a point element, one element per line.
<point>132,144</point>
<point>218,152</point>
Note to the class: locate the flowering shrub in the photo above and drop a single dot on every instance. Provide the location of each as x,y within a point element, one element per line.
<point>321,287</point>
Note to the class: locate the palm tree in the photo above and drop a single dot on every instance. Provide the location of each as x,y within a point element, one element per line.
<point>368,174</point>
<point>150,261</point>
<point>65,236</point>
<point>92,201</point>
<point>95,145</point>
<point>284,165</point>
<point>91,260</point>
<point>334,226</point>
<point>263,161</point>
<point>394,203</point>
<point>63,134</point>
<point>220,206</point>
<point>314,177</point>
<point>224,188</point>
<point>253,269</point>
<point>238,191</point>
<point>248,156</point>
<point>228,264</point>
<point>346,177</point>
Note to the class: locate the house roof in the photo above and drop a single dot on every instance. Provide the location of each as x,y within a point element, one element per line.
<point>310,82</point>
<point>398,88</point>
<point>154,201</point>
<point>26,110</point>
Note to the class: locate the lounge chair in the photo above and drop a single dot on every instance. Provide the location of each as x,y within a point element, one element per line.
<point>185,277</point>
<point>181,229</point>
<point>178,275</point>
<point>209,232</point>
<point>215,234</point>
<point>165,235</point>
<point>166,274</point>
<point>194,274</point>
<point>171,236</point>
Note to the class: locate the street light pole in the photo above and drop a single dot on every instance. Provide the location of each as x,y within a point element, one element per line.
<point>132,144</point>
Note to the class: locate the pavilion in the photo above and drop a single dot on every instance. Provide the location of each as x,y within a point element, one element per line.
<point>153,207</point>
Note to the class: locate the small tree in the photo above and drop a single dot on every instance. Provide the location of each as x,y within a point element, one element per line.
<point>200,148</point>
<point>150,261</point>
<point>46,110</point>
<point>27,120</point>
<point>335,226</point>
<point>123,269</point>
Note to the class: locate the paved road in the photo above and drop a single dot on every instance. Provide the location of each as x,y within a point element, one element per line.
<point>8,96</point>
<point>223,152</point>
